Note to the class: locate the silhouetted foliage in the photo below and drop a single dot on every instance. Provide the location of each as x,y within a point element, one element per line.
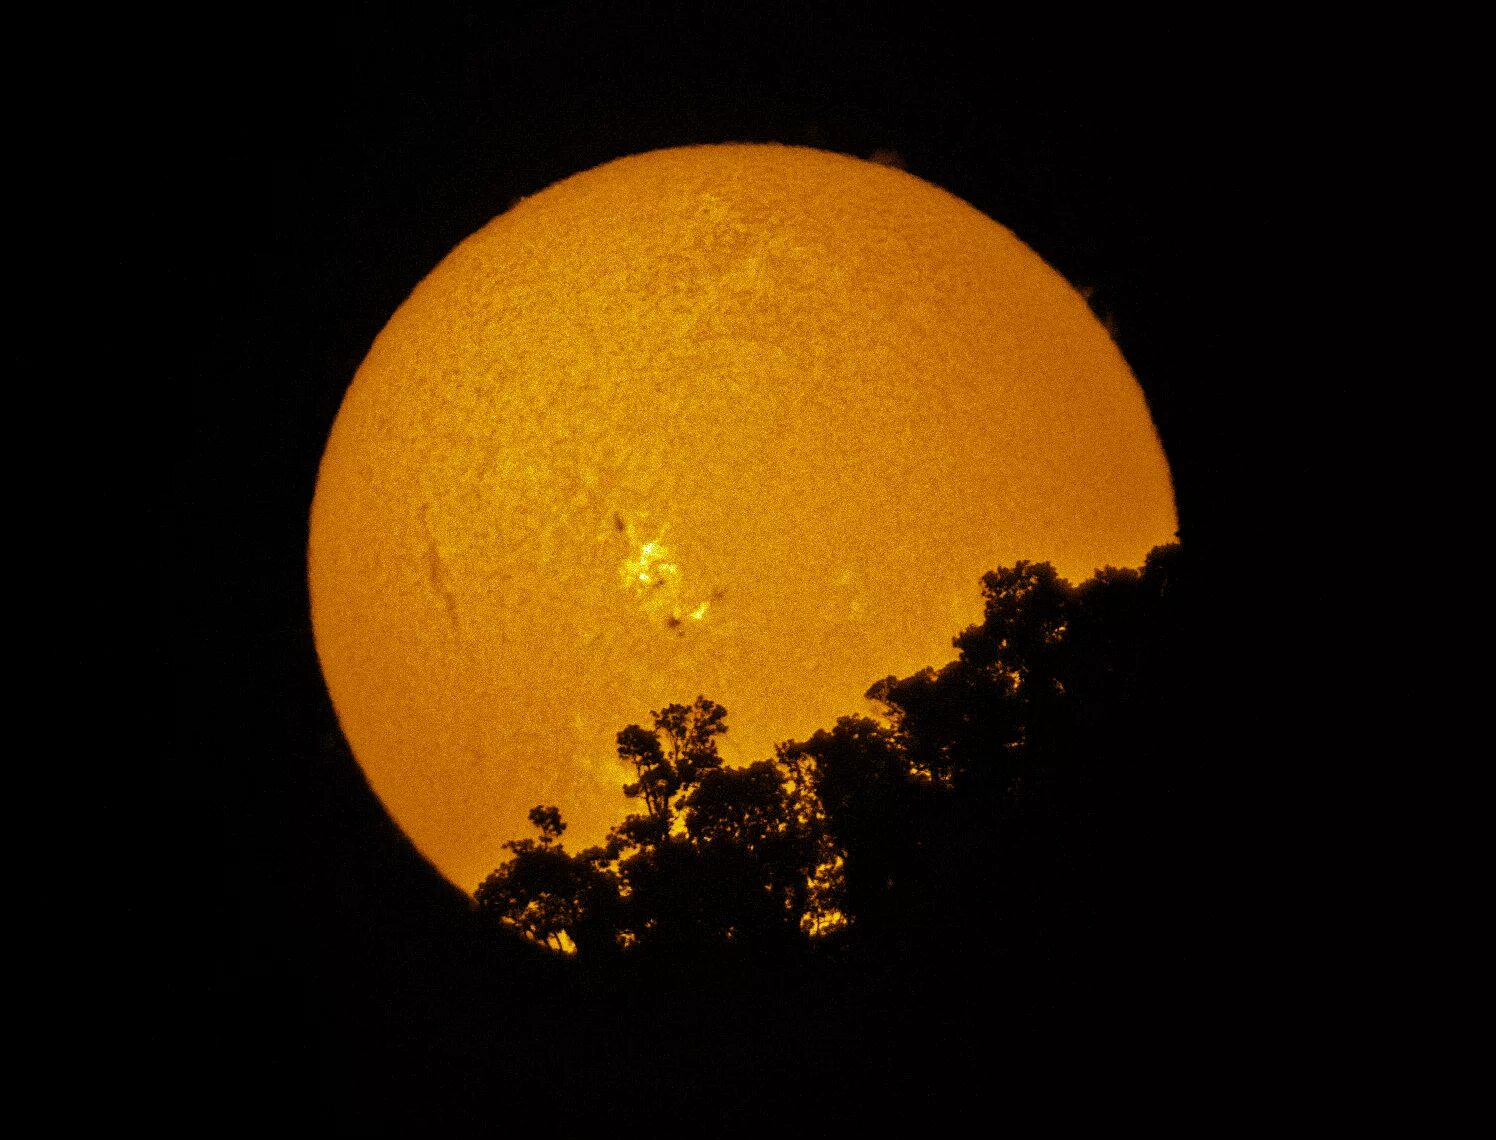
<point>1002,850</point>
<point>756,835</point>
<point>548,895</point>
<point>674,755</point>
<point>990,805</point>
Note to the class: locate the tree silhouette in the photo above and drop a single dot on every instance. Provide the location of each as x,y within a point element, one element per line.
<point>670,758</point>
<point>749,826</point>
<point>738,869</point>
<point>547,895</point>
<point>999,792</point>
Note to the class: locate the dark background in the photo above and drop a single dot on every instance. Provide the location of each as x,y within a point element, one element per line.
<point>309,174</point>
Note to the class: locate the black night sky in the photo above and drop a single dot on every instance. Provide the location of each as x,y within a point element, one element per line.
<point>313,173</point>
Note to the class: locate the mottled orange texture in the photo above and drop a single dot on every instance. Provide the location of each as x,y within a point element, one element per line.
<point>747,421</point>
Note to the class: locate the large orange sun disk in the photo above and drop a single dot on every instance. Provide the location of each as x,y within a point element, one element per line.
<point>746,421</point>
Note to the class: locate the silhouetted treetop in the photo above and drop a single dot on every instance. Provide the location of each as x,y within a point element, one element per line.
<point>672,756</point>
<point>547,895</point>
<point>974,797</point>
<point>548,820</point>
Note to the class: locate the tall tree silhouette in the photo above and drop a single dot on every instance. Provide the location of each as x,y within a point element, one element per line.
<point>757,838</point>
<point>741,867</point>
<point>551,897</point>
<point>1004,791</point>
<point>671,757</point>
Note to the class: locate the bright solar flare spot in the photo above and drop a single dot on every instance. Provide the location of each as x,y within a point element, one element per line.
<point>744,421</point>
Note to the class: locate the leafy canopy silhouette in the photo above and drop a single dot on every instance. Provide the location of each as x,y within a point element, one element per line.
<point>978,797</point>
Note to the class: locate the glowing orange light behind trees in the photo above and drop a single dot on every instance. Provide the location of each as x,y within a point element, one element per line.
<point>747,421</point>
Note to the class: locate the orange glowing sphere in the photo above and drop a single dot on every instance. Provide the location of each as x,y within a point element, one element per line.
<point>743,421</point>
